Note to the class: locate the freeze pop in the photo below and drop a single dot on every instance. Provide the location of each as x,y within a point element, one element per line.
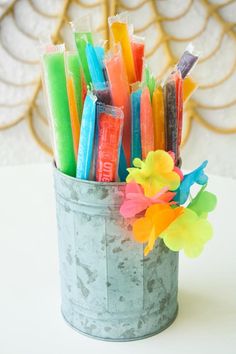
<point>158,118</point>
<point>55,86</point>
<point>100,52</point>
<point>170,115</point>
<point>149,80</point>
<point>83,35</point>
<point>136,149</point>
<point>189,86</point>
<point>86,142</point>
<point>179,108</point>
<point>110,124</point>
<point>95,68</point>
<point>119,29</point>
<point>146,123</point>
<point>137,45</point>
<point>122,170</point>
<point>74,91</point>
<point>103,95</point>
<point>120,93</point>
<point>187,61</point>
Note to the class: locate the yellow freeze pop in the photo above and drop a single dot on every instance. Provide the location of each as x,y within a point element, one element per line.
<point>119,28</point>
<point>158,118</point>
<point>189,86</point>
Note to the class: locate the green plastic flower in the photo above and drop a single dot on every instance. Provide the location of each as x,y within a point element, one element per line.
<point>156,172</point>
<point>188,232</point>
<point>203,203</point>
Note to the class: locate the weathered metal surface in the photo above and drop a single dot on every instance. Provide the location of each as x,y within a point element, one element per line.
<point>109,289</point>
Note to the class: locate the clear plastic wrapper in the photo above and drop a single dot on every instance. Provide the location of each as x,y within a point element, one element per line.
<point>86,143</point>
<point>146,123</point>
<point>109,126</point>
<point>120,32</point>
<point>56,93</point>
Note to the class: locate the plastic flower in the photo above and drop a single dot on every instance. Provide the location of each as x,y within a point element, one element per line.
<point>196,176</point>
<point>157,218</point>
<point>135,201</point>
<point>203,203</point>
<point>188,232</point>
<point>156,172</point>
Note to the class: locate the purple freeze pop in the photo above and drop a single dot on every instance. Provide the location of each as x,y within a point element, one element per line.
<point>187,61</point>
<point>170,115</point>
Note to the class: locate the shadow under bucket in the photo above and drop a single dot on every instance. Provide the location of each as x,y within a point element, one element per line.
<point>109,289</point>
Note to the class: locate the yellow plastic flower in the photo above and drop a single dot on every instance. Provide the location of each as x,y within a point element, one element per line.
<point>188,232</point>
<point>157,218</point>
<point>156,172</point>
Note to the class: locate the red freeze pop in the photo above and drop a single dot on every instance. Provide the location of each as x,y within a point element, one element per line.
<point>146,123</point>
<point>109,139</point>
<point>137,45</point>
<point>120,94</point>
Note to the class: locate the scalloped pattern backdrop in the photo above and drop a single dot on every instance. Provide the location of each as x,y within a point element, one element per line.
<point>168,26</point>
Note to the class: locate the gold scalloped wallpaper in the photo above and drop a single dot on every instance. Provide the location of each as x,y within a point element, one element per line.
<point>168,26</point>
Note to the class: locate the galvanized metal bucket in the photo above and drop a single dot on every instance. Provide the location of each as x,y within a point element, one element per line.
<point>109,289</point>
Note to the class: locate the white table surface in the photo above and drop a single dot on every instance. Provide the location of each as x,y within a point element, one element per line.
<point>30,319</point>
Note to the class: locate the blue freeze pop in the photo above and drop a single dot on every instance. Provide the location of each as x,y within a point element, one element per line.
<point>136,148</point>
<point>95,69</point>
<point>85,152</point>
<point>122,170</point>
<point>100,52</point>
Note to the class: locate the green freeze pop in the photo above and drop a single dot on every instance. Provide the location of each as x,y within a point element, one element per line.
<point>81,40</point>
<point>149,80</point>
<point>55,84</point>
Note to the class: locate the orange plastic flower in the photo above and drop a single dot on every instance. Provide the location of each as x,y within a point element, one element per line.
<point>157,218</point>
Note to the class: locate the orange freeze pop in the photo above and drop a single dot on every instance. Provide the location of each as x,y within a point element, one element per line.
<point>121,35</point>
<point>146,123</point>
<point>120,94</point>
<point>75,122</point>
<point>179,108</point>
<point>189,86</point>
<point>158,118</point>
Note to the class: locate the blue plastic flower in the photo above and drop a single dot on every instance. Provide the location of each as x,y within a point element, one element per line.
<point>197,176</point>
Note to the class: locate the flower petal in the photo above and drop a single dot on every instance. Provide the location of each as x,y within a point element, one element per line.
<point>130,207</point>
<point>162,215</point>
<point>203,203</point>
<point>163,161</point>
<point>142,229</point>
<point>151,242</point>
<point>196,176</point>
<point>187,232</point>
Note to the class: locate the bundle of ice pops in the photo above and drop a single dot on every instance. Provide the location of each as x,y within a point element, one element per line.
<point>106,108</point>
<point>112,121</point>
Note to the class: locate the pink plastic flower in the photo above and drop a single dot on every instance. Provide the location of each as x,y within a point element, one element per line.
<point>135,201</point>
